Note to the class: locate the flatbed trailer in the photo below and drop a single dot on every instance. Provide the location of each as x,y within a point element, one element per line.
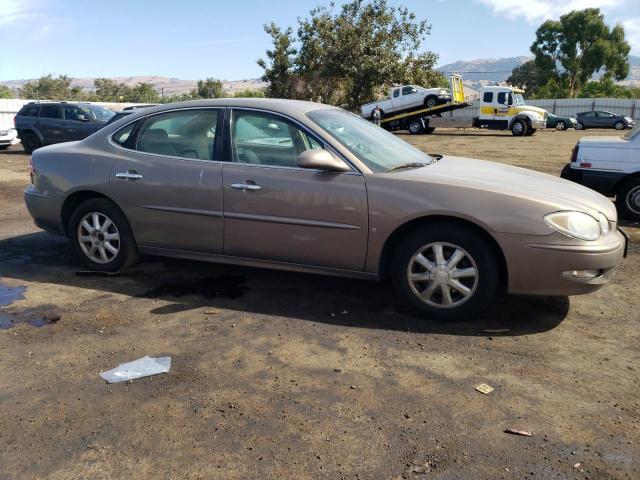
<point>416,120</point>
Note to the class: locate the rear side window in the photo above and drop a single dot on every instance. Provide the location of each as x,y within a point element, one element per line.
<point>590,114</point>
<point>488,97</point>
<point>50,111</point>
<point>184,134</point>
<point>29,111</point>
<point>122,136</point>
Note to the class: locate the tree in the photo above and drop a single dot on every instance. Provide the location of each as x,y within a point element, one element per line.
<point>209,88</point>
<point>349,57</point>
<point>578,45</point>
<point>142,93</point>
<point>48,88</point>
<point>249,94</point>
<point>529,77</point>
<point>278,69</point>
<point>6,92</point>
<point>108,90</point>
<point>605,88</point>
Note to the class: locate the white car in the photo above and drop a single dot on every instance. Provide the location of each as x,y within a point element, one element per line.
<point>406,97</point>
<point>611,166</point>
<point>8,137</point>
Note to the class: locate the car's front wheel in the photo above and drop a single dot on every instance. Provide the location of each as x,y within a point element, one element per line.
<point>519,128</point>
<point>431,101</point>
<point>628,199</point>
<point>101,236</point>
<point>561,125</point>
<point>445,271</point>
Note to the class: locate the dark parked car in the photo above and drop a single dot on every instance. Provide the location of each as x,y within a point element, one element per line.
<point>127,111</point>
<point>560,123</point>
<point>46,123</point>
<point>600,119</point>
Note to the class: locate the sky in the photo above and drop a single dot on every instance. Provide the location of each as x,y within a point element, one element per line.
<point>193,39</point>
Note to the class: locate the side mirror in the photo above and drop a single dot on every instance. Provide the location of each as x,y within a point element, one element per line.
<point>320,159</point>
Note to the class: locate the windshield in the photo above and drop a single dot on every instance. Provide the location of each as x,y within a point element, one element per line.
<point>375,147</point>
<point>632,133</point>
<point>518,99</point>
<point>96,112</point>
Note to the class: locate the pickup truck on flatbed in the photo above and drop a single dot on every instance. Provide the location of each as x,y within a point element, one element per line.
<point>407,97</point>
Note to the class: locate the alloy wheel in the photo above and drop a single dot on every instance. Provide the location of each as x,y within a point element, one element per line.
<point>98,237</point>
<point>633,200</point>
<point>442,275</point>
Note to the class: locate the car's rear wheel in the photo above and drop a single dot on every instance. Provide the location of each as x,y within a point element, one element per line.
<point>619,125</point>
<point>30,142</point>
<point>101,236</point>
<point>579,126</point>
<point>628,199</point>
<point>519,128</point>
<point>444,271</point>
<point>561,125</point>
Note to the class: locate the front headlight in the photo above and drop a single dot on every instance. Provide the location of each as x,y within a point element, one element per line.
<point>575,224</point>
<point>443,92</point>
<point>604,224</point>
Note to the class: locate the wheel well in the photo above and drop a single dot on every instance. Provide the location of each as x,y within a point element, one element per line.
<point>623,180</point>
<point>71,203</point>
<point>395,237</point>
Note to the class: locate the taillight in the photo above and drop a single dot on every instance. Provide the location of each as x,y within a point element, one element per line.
<point>574,154</point>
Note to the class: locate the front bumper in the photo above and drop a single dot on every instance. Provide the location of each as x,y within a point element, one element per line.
<point>536,124</point>
<point>539,266</point>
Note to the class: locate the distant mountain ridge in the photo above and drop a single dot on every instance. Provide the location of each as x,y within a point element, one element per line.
<point>476,73</point>
<point>487,71</point>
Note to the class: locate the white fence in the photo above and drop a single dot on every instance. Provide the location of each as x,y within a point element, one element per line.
<point>9,108</point>
<point>570,106</point>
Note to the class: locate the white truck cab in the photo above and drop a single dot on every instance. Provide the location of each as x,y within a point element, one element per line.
<point>504,108</point>
<point>611,166</point>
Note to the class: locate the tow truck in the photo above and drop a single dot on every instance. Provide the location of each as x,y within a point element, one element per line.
<point>502,107</point>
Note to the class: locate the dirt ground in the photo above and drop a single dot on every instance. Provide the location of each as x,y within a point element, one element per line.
<point>284,375</point>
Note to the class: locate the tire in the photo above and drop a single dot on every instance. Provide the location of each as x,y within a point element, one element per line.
<point>579,126</point>
<point>628,199</point>
<point>416,127</point>
<point>431,101</point>
<point>429,130</point>
<point>476,254</point>
<point>30,142</point>
<point>561,126</point>
<point>619,125</point>
<point>104,259</point>
<point>519,128</point>
<point>531,131</point>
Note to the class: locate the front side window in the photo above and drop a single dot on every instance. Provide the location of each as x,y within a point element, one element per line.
<point>73,112</point>
<point>265,139</point>
<point>50,111</point>
<point>184,134</point>
<point>374,146</point>
<point>408,90</point>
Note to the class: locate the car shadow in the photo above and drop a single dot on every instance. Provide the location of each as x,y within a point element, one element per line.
<point>179,286</point>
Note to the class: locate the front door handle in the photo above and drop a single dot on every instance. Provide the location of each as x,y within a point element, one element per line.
<point>130,175</point>
<point>245,186</point>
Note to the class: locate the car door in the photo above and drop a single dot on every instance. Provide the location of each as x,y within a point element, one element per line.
<point>590,120</point>
<point>50,123</point>
<point>274,210</point>
<point>410,97</point>
<point>77,123</point>
<point>167,178</point>
<point>396,99</point>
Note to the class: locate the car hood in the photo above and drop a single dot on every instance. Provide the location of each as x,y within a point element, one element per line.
<point>553,193</point>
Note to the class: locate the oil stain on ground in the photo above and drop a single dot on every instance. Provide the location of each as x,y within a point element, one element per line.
<point>8,295</point>
<point>10,321</point>
<point>213,286</point>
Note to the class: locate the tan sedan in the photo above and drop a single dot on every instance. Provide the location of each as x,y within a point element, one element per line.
<point>309,187</point>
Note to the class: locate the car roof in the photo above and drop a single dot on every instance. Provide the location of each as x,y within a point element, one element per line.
<point>279,105</point>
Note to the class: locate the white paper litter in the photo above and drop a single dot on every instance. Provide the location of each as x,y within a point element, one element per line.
<point>142,367</point>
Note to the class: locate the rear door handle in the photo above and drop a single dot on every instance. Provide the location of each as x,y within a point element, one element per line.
<point>245,186</point>
<point>130,175</point>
